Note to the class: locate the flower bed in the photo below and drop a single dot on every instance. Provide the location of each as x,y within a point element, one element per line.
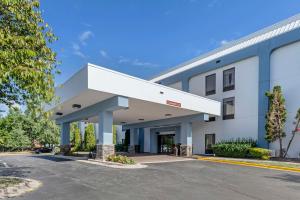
<point>120,159</point>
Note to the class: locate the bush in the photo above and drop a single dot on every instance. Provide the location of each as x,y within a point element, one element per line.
<point>89,138</point>
<point>231,150</point>
<point>76,137</point>
<point>259,153</point>
<point>121,148</point>
<point>120,159</point>
<point>238,148</point>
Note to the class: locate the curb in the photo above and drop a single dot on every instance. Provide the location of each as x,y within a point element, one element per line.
<point>249,164</point>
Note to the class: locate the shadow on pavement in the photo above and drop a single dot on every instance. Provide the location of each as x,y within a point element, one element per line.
<point>15,171</point>
<point>52,158</point>
<point>286,177</point>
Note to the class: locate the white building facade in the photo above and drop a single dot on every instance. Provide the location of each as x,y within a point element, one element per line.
<point>217,96</point>
<point>258,62</point>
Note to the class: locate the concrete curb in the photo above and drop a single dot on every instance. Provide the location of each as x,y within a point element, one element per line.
<point>28,185</point>
<point>103,163</point>
<point>248,164</point>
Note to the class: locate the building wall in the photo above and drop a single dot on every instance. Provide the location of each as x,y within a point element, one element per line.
<point>244,125</point>
<point>177,85</point>
<point>285,71</point>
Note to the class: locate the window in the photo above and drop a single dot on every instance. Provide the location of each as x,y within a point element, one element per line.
<point>228,79</point>
<point>228,108</point>
<point>210,84</point>
<point>211,119</point>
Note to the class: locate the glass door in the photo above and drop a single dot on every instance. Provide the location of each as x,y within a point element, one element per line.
<point>165,143</point>
<point>209,142</point>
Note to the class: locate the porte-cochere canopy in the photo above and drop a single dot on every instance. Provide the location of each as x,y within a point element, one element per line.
<point>97,94</point>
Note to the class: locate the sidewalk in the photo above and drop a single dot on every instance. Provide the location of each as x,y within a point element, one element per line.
<point>265,164</point>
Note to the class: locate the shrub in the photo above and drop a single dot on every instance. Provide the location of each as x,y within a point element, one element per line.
<point>121,148</point>
<point>259,153</point>
<point>76,139</point>
<point>236,148</point>
<point>231,150</point>
<point>89,138</point>
<point>120,159</point>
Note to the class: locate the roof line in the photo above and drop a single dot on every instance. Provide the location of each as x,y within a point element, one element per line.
<point>230,44</point>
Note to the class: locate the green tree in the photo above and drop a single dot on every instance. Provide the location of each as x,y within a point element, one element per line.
<point>49,132</point>
<point>89,138</point>
<point>76,136</point>
<point>27,64</point>
<point>114,128</point>
<point>276,117</point>
<point>13,137</point>
<point>20,130</point>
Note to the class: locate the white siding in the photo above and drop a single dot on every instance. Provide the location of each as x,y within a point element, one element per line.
<point>244,125</point>
<point>285,71</point>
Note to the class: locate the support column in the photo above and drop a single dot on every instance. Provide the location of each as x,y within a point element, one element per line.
<point>186,139</point>
<point>65,146</point>
<point>141,139</point>
<point>105,146</point>
<point>133,140</point>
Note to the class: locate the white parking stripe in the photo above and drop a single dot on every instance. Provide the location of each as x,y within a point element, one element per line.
<point>5,165</point>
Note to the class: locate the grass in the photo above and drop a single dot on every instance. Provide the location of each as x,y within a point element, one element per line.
<point>7,182</point>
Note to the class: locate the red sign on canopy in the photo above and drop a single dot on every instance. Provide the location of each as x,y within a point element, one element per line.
<point>173,103</point>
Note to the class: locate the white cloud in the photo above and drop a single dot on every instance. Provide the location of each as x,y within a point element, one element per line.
<point>136,62</point>
<point>103,53</point>
<point>223,42</point>
<point>77,51</point>
<point>123,60</point>
<point>84,36</point>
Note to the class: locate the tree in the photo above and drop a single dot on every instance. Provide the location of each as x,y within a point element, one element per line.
<point>89,138</point>
<point>297,123</point>
<point>13,137</point>
<point>19,130</point>
<point>276,117</point>
<point>76,136</point>
<point>27,64</point>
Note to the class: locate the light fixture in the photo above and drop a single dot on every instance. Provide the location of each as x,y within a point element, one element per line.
<point>141,119</point>
<point>77,106</point>
<point>59,113</point>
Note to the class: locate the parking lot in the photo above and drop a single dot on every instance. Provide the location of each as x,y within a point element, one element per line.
<point>193,179</point>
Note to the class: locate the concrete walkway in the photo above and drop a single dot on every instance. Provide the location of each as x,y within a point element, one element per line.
<point>145,158</point>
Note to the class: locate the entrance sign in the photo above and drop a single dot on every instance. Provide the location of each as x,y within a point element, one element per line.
<point>174,103</point>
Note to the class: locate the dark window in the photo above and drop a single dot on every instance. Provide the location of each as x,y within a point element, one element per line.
<point>210,84</point>
<point>211,119</point>
<point>228,79</point>
<point>228,108</point>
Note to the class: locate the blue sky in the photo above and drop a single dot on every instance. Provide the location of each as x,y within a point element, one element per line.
<point>145,37</point>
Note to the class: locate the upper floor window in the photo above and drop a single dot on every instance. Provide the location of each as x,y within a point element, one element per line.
<point>228,79</point>
<point>210,84</point>
<point>228,108</point>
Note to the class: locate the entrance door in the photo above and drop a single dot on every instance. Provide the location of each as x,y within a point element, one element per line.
<point>209,142</point>
<point>165,143</point>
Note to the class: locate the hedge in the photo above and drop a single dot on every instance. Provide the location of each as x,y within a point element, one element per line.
<point>240,148</point>
<point>231,150</point>
<point>259,153</point>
